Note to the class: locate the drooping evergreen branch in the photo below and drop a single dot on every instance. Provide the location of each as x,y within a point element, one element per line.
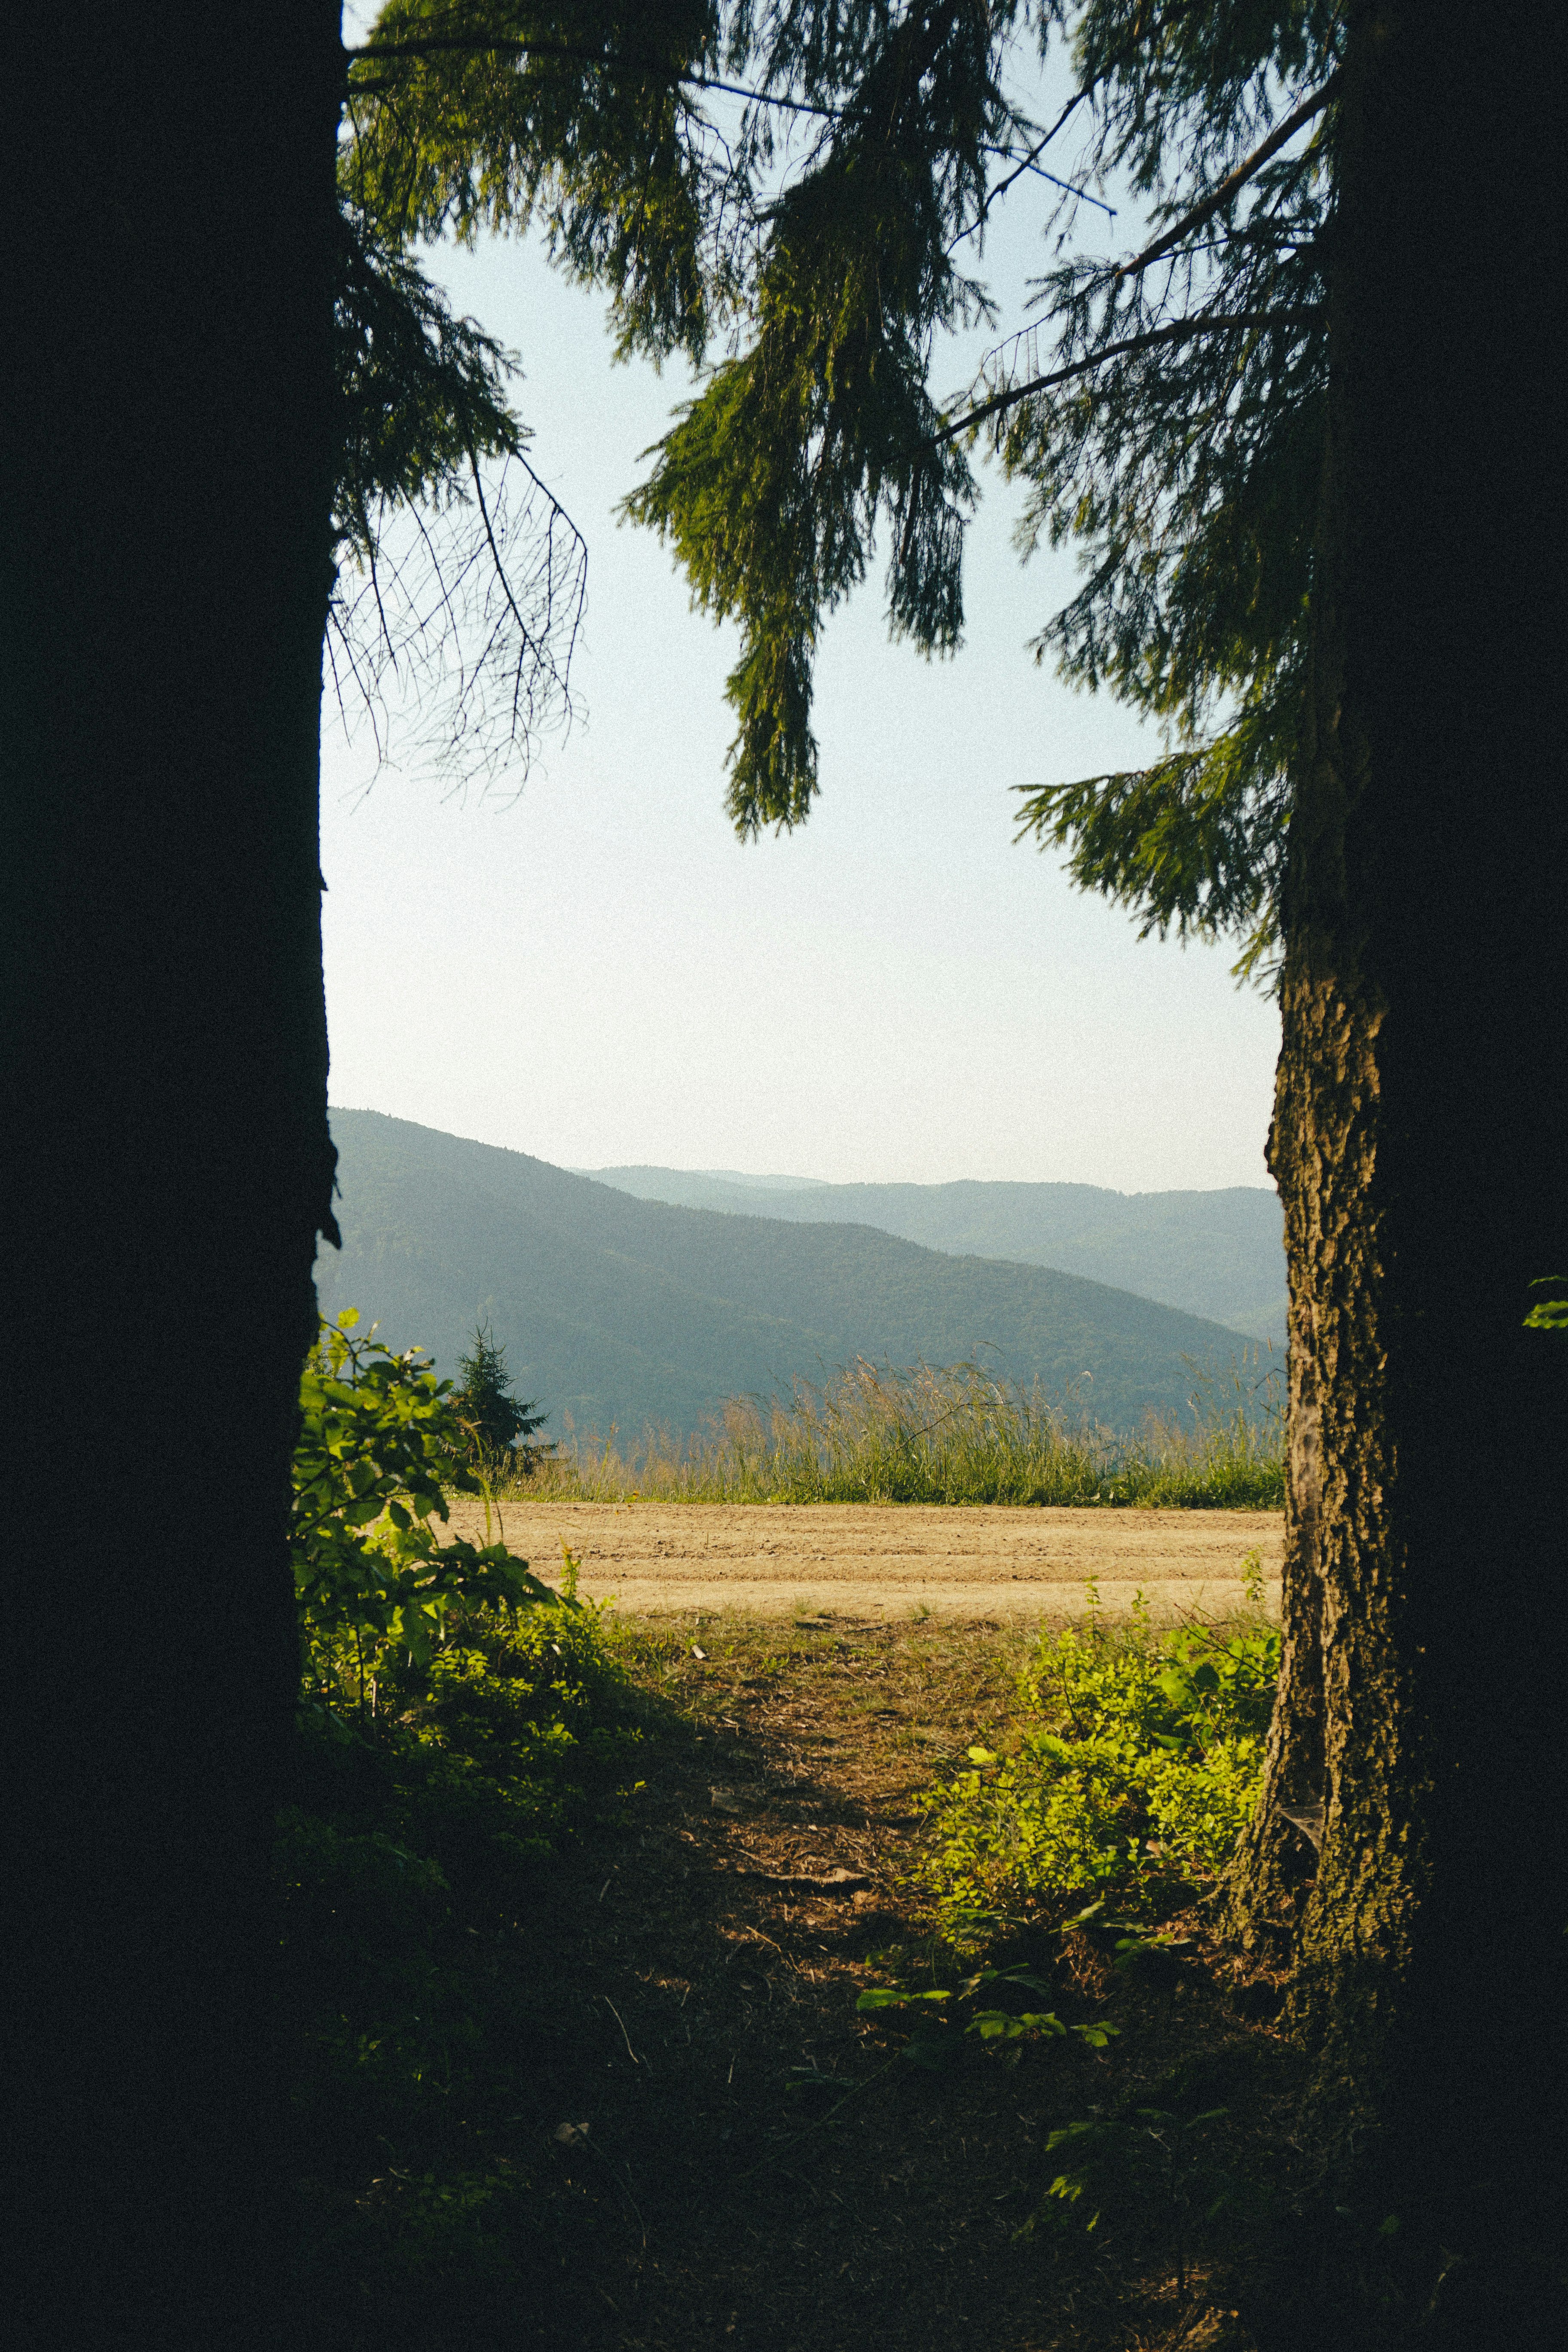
<point>1176,441</point>
<point>657,69</point>
<point>1235,181</point>
<point>1179,331</point>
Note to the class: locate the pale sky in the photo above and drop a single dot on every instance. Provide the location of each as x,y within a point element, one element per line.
<point>594,969</point>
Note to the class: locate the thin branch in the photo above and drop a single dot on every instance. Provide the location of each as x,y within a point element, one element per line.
<point>495,551</point>
<point>1037,149</point>
<point>380,607</point>
<point>1181,331</point>
<point>1118,57</point>
<point>1236,180</point>
<point>1040,172</point>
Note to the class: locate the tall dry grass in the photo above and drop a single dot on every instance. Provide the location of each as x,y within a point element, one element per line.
<point>946,1435</point>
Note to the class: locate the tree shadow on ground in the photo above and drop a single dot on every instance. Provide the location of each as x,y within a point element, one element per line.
<point>663,2123</point>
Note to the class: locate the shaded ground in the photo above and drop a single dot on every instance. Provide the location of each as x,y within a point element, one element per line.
<point>887,1562</point>
<point>687,2177</point>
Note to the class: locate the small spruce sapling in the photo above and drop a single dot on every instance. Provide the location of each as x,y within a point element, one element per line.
<point>500,1426</point>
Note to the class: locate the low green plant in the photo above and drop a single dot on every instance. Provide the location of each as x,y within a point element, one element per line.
<point>459,1721</point>
<point>1151,2165</point>
<point>936,2038</point>
<point>1158,2165</point>
<point>1548,1313</point>
<point>1134,1762</point>
<point>381,1447</point>
<point>408,1865</point>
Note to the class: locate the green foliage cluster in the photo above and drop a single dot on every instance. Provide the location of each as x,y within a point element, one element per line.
<point>1160,2168</point>
<point>422,394</point>
<point>406,1864</point>
<point>460,1722</point>
<point>954,1435</point>
<point>1548,1313</point>
<point>936,2034</point>
<point>1136,1765</point>
<point>577,116</point>
<point>381,1444</point>
<point>1162,2164</point>
<point>769,488</point>
<point>1176,435</point>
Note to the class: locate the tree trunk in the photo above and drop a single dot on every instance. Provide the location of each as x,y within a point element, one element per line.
<point>164,565</point>
<point>1419,1142</point>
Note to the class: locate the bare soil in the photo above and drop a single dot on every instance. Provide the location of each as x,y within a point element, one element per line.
<point>1009,1566</point>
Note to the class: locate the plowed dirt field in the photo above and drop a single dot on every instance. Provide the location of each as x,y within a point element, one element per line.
<point>895,1560</point>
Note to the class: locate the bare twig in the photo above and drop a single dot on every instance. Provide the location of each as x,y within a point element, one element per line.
<point>440,623</point>
<point>626,2037</point>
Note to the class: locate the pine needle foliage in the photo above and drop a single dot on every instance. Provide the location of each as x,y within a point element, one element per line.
<point>1177,436</point>
<point>813,179</point>
<point>469,116</point>
<point>502,1429</point>
<point>422,394</point>
<point>1181,449</point>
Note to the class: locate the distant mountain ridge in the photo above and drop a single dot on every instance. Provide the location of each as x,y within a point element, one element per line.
<point>1220,1254</point>
<point>623,1310</point>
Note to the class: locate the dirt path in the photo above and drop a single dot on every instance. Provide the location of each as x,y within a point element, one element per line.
<point>889,1562</point>
<point>723,2158</point>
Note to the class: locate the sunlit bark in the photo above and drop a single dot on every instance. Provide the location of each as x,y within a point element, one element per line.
<point>1420,1139</point>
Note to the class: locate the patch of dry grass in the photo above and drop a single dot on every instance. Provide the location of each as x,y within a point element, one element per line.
<point>950,1435</point>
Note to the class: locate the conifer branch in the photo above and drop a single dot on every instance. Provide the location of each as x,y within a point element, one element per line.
<point>1031,163</point>
<point>438,45</point>
<point>1179,331</point>
<point>1233,182</point>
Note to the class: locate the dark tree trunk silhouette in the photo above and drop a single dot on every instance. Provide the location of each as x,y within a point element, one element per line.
<point>164,520</point>
<point>1419,1142</point>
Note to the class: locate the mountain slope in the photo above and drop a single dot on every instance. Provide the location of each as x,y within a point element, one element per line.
<point>1220,1254</point>
<point>623,1310</point>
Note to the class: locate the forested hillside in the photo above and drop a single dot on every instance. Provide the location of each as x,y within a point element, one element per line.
<point>623,1310</point>
<point>1220,1254</point>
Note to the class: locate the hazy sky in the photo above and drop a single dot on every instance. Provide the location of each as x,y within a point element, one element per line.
<point>596,972</point>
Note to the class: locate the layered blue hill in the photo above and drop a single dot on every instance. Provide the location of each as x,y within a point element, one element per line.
<point>1220,1254</point>
<point>623,1311</point>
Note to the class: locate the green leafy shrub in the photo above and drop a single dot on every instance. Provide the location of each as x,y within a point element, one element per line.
<point>460,1721</point>
<point>936,2037</point>
<point>406,1866</point>
<point>511,1745</point>
<point>380,1445</point>
<point>1135,1761</point>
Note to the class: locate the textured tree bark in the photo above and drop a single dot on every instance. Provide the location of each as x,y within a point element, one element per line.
<point>164,565</point>
<point>1419,1142</point>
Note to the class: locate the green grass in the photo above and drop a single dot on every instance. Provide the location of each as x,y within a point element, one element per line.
<point>952,1436</point>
